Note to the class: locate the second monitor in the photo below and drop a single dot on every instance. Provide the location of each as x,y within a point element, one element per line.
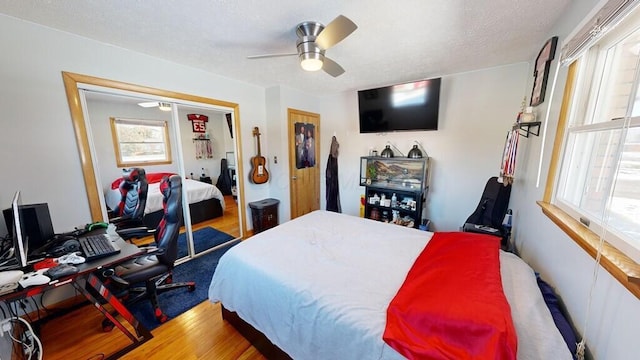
<point>37,224</point>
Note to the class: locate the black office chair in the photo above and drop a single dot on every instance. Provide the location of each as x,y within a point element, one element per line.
<point>154,268</point>
<point>491,210</point>
<point>128,216</point>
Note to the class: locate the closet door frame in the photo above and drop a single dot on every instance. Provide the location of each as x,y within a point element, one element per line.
<point>74,83</point>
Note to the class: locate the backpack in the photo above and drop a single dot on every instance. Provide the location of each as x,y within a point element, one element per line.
<point>493,205</point>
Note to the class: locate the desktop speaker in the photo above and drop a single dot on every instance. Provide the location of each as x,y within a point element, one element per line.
<point>37,223</point>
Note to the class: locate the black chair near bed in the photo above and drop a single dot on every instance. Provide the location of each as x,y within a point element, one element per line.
<point>128,216</point>
<point>491,210</point>
<point>154,267</point>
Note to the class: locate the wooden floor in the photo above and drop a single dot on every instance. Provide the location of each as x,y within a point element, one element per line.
<point>199,333</point>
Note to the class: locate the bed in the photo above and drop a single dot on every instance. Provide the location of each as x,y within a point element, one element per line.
<point>320,287</point>
<point>206,201</point>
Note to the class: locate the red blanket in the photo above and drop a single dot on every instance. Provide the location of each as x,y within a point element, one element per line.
<point>451,305</point>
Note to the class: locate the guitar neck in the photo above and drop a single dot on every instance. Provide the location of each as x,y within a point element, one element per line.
<point>258,136</point>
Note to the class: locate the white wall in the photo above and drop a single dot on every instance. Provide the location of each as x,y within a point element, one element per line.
<point>279,99</point>
<point>477,110</point>
<point>39,153</point>
<point>220,140</point>
<point>615,312</point>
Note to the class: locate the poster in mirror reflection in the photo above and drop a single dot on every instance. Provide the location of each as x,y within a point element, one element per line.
<point>305,143</point>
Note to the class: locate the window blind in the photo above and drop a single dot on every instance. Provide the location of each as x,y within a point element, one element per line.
<point>604,19</point>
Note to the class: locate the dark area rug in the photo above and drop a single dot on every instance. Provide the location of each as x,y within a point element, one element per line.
<point>200,270</point>
<point>203,239</point>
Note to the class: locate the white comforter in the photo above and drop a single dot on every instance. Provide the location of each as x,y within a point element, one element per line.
<point>196,192</point>
<point>318,287</point>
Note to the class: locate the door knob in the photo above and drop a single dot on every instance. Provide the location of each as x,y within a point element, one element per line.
<point>294,178</point>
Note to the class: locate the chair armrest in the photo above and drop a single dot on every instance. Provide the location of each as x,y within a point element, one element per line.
<point>111,275</point>
<point>137,232</point>
<point>152,250</point>
<point>119,220</point>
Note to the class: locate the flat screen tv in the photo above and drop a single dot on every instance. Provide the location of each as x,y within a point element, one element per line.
<point>412,106</point>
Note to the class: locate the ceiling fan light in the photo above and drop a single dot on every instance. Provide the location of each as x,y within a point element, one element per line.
<point>311,64</point>
<point>163,106</point>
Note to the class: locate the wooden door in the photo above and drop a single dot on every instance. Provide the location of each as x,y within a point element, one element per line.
<point>304,161</point>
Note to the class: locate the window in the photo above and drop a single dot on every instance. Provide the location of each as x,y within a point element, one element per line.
<point>595,177</point>
<point>140,142</point>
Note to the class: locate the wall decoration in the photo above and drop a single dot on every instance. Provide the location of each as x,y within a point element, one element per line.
<point>259,173</point>
<point>541,71</point>
<point>204,148</point>
<point>228,116</point>
<point>198,122</point>
<point>305,145</point>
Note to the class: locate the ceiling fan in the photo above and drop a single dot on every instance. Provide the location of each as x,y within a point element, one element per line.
<point>313,40</point>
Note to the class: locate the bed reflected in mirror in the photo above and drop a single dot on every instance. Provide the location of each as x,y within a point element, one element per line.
<point>192,140</point>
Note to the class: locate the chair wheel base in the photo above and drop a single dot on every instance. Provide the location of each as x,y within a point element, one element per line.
<point>162,317</point>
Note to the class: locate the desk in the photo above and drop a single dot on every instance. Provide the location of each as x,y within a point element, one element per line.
<point>95,291</point>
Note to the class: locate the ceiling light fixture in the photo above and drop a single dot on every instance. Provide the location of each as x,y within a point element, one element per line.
<point>163,106</point>
<point>311,64</point>
<point>311,57</point>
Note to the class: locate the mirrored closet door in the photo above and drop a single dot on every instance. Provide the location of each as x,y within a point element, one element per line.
<point>167,136</point>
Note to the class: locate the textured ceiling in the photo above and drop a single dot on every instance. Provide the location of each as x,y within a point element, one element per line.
<point>395,41</point>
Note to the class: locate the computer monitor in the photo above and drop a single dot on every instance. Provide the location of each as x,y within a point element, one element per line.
<point>36,219</point>
<point>20,239</point>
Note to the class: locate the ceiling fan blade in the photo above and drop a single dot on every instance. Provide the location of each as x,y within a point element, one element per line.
<point>269,56</point>
<point>336,31</point>
<point>331,67</point>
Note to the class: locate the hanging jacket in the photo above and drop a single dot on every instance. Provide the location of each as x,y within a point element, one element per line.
<point>333,192</point>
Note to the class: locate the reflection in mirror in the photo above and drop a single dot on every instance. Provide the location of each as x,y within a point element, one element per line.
<point>205,140</point>
<point>198,150</point>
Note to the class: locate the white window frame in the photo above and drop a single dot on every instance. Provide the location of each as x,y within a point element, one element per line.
<point>117,142</point>
<point>594,74</point>
<point>614,257</point>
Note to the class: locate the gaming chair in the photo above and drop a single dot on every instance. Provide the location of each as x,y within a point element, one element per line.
<point>130,210</point>
<point>154,268</point>
<point>491,210</point>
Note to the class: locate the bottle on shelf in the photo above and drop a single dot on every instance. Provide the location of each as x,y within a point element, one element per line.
<point>396,216</point>
<point>394,200</point>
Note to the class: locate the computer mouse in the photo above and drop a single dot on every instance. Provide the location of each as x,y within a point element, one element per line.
<point>61,271</point>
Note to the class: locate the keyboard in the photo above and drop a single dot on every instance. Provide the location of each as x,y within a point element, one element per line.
<point>97,246</point>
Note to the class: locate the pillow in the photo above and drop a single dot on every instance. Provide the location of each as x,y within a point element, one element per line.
<point>151,179</point>
<point>563,325</point>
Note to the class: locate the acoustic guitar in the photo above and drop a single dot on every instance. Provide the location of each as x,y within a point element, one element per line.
<point>259,173</point>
